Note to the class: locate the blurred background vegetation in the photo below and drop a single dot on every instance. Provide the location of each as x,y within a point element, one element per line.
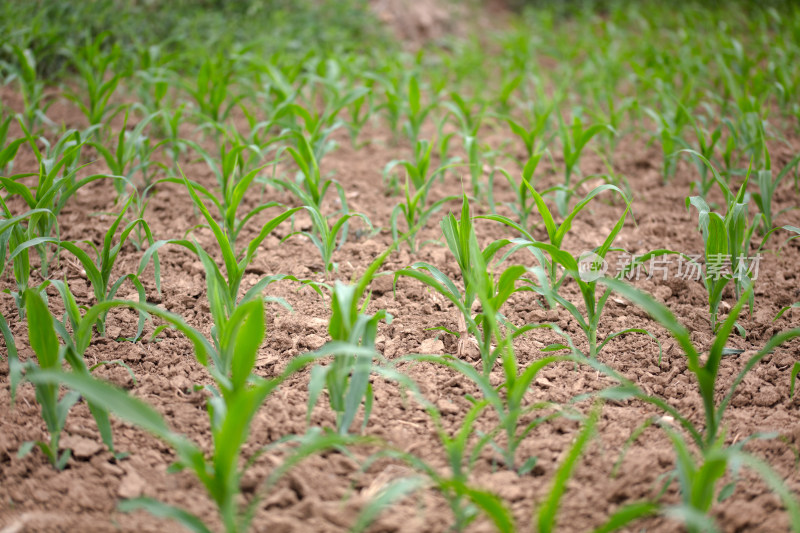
<point>293,27</point>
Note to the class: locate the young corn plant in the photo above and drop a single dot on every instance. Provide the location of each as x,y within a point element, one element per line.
<point>31,86</point>
<point>669,131</point>
<point>469,116</point>
<point>338,96</point>
<point>211,87</point>
<point>236,158</point>
<point>699,473</point>
<point>347,377</point>
<point>614,112</point>
<point>310,187</point>
<point>317,127</point>
<point>574,139</point>
<point>168,129</point>
<point>54,185</point>
<point>233,191</point>
<point>51,354</point>
<point>539,123</point>
<point>100,71</point>
<point>415,210</point>
<point>463,244</point>
<point>548,510</point>
<point>727,245</point>
<point>327,237</point>
<point>237,396</point>
<point>523,207</point>
<point>154,77</point>
<point>98,269</point>
<point>223,289</point>
<point>416,112</point>
<point>394,85</point>
<point>767,187</point>
<point>706,146</point>
<point>132,154</point>
<point>360,110</point>
<point>585,270</point>
<point>18,238</point>
<point>465,501</point>
<point>507,400</point>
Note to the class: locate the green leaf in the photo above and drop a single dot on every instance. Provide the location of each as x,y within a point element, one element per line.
<point>547,515</point>
<point>41,332</point>
<point>628,514</point>
<point>493,507</point>
<point>248,320</point>
<point>25,448</point>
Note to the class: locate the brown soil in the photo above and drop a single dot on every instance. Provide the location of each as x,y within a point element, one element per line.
<point>325,492</point>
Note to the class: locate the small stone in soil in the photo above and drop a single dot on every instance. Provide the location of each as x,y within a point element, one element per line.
<point>131,486</point>
<point>431,346</point>
<point>82,448</point>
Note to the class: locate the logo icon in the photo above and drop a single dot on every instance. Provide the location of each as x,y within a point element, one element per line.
<point>591,267</point>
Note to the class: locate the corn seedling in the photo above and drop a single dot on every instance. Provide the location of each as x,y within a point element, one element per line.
<point>585,270</point>
<point>337,97</point>
<point>154,77</point>
<point>508,405</point>
<point>232,194</point>
<point>50,355</point>
<point>211,87</point>
<point>669,131</point>
<point>767,187</point>
<point>416,112</point>
<point>101,72</point>
<point>612,111</point>
<point>310,187</point>
<point>465,501</point>
<point>415,210</point>
<point>327,237</point>
<point>394,86</point>
<point>11,346</point>
<point>574,139</point>
<point>347,378</point>
<point>727,244</point>
<point>169,130</point>
<point>546,516</point>
<point>32,87</point>
<point>132,153</point>
<point>468,114</point>
<point>317,127</point>
<point>98,269</point>
<point>359,111</point>
<point>539,122</point>
<point>523,207</point>
<point>223,289</point>
<point>698,479</point>
<point>230,413</point>
<point>462,450</point>
<point>469,120</point>
<point>54,185</point>
<point>706,147</point>
<point>473,263</point>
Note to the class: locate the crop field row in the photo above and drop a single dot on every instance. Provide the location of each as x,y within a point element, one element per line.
<point>265,267</point>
